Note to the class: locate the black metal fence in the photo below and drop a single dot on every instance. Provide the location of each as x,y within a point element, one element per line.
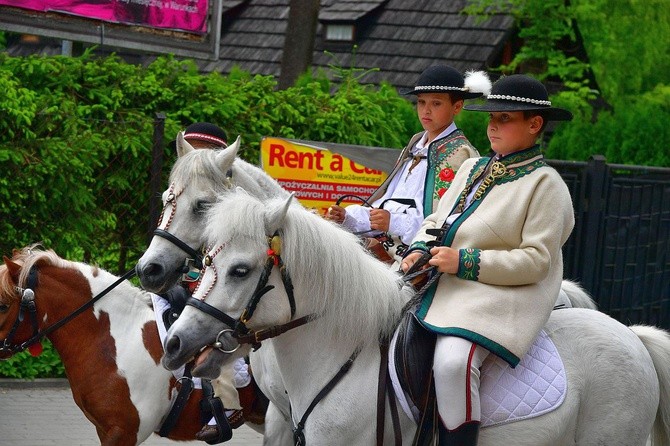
<point>620,248</point>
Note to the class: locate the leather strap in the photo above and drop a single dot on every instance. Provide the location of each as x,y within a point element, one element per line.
<point>381,391</point>
<point>179,403</point>
<point>197,257</point>
<point>384,387</point>
<point>298,434</point>
<point>261,335</point>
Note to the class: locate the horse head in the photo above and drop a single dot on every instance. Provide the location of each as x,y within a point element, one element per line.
<point>237,263</point>
<point>21,317</point>
<point>10,309</point>
<point>196,179</point>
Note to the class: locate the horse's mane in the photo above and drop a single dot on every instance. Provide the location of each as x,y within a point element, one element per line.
<point>33,255</point>
<point>28,257</point>
<point>202,169</point>
<point>359,297</point>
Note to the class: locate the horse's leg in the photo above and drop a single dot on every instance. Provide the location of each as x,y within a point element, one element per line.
<point>116,436</point>
<point>278,430</point>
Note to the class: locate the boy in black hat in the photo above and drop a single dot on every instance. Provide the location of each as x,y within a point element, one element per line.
<point>502,226</point>
<point>426,166</point>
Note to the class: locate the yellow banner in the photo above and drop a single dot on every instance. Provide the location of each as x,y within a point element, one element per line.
<point>317,176</point>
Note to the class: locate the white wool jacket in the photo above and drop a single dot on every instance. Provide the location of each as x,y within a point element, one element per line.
<point>509,240</point>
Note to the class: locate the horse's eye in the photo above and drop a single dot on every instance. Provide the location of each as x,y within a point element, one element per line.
<point>201,207</point>
<point>4,308</point>
<point>239,271</point>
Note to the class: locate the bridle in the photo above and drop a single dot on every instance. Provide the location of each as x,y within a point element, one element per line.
<point>28,305</point>
<point>161,230</point>
<point>238,327</point>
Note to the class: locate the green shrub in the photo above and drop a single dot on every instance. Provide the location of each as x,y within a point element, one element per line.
<point>25,366</point>
<point>635,132</point>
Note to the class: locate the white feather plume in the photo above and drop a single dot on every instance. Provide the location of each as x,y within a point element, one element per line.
<point>478,82</point>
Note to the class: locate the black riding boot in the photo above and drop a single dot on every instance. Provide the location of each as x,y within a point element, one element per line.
<point>464,435</point>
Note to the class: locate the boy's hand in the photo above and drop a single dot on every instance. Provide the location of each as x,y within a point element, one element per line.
<point>380,219</point>
<point>445,259</point>
<point>410,260</point>
<point>336,213</point>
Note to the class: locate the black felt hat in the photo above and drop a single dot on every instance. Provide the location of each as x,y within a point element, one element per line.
<point>445,79</point>
<point>519,92</point>
<point>205,131</point>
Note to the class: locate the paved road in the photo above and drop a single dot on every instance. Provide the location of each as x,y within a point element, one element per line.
<point>42,413</point>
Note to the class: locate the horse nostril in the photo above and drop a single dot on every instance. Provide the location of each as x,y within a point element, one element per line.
<point>152,269</point>
<point>172,346</point>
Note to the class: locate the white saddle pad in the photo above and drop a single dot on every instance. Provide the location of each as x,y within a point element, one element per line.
<point>537,385</point>
<point>160,306</point>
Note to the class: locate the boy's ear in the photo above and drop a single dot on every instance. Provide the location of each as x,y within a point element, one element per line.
<point>536,123</point>
<point>458,106</point>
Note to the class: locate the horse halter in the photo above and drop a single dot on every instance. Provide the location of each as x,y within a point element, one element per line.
<point>171,200</point>
<point>239,330</point>
<point>27,304</point>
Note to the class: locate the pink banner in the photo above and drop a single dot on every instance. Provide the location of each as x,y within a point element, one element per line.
<point>185,15</point>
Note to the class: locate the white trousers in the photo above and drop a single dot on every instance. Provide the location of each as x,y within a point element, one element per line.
<point>456,368</point>
<point>234,375</point>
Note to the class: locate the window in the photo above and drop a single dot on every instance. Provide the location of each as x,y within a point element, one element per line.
<point>340,32</point>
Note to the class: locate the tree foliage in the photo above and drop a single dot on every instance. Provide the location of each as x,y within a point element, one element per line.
<point>611,59</point>
<point>76,139</point>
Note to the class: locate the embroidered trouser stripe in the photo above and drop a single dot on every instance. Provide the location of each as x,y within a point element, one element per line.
<point>457,398</point>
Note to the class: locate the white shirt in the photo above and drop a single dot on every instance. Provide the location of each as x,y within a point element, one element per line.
<point>405,220</point>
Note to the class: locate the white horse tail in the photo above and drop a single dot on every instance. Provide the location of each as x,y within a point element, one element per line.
<point>657,342</point>
<point>577,296</point>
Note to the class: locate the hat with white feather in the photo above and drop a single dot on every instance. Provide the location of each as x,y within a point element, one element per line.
<point>519,92</point>
<point>445,79</point>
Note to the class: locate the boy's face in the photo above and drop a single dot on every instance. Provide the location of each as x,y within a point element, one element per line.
<point>436,112</point>
<point>510,132</point>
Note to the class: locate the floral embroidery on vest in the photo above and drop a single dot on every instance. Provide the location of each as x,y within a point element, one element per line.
<point>440,172</point>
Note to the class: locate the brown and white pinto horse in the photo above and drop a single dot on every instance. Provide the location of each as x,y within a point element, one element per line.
<point>111,351</point>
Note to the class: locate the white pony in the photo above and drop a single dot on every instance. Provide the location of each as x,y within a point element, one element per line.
<point>618,379</point>
<point>196,179</point>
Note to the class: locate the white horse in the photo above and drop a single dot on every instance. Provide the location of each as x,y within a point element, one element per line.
<point>618,385</point>
<point>197,178</point>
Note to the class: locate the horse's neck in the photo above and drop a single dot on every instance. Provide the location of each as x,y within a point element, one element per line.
<point>122,309</point>
<point>307,360</point>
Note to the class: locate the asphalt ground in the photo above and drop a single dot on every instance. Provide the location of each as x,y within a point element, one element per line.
<point>43,413</point>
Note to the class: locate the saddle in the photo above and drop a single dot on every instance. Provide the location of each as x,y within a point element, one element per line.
<point>537,385</point>
<point>414,351</point>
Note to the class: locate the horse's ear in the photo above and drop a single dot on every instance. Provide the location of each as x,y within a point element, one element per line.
<point>274,218</point>
<point>13,268</point>
<point>183,146</point>
<point>226,157</point>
